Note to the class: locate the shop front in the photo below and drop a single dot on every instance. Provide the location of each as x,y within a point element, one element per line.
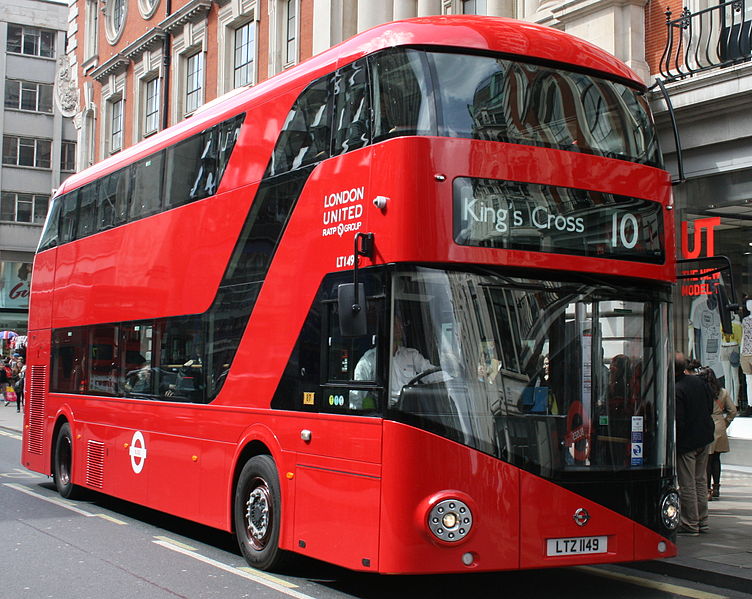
<point>714,218</point>
<point>15,279</point>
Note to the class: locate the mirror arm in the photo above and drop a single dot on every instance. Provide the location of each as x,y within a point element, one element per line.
<point>363,246</point>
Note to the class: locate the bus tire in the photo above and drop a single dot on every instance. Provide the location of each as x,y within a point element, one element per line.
<point>62,471</point>
<point>257,513</point>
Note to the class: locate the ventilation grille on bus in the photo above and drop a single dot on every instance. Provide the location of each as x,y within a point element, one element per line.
<point>95,464</point>
<point>37,396</point>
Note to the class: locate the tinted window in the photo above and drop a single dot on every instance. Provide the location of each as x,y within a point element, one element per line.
<point>352,108</point>
<point>49,236</point>
<point>87,211</point>
<point>68,361</point>
<point>491,98</point>
<point>403,103</point>
<point>146,195</point>
<point>68,217</point>
<point>305,136</point>
<point>114,196</point>
<point>195,166</point>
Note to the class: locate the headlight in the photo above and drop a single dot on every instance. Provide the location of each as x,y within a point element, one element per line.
<point>450,520</point>
<point>670,510</point>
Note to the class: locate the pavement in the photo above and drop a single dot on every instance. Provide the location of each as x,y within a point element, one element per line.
<point>722,557</point>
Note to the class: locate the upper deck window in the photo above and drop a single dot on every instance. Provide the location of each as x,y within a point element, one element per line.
<point>188,170</point>
<point>495,99</point>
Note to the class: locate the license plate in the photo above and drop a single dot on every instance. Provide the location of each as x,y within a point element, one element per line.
<point>576,546</point>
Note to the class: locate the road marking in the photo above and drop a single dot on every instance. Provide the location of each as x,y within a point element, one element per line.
<point>257,576</point>
<point>177,543</point>
<point>64,503</point>
<point>19,473</point>
<point>651,584</point>
<point>11,435</point>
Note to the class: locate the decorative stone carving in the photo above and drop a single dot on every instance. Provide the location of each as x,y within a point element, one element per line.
<point>66,92</point>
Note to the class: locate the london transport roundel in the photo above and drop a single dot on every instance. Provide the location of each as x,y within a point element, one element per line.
<point>137,451</point>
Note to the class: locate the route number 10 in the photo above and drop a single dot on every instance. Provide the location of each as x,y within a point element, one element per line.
<point>624,230</point>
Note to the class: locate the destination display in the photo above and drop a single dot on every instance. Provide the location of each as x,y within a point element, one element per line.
<point>543,218</point>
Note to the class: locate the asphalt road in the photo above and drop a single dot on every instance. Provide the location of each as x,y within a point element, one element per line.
<point>101,547</point>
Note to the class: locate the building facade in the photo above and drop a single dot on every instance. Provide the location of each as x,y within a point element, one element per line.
<point>141,65</point>
<point>39,142</point>
<point>701,52</point>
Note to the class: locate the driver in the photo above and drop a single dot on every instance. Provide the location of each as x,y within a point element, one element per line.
<point>407,363</point>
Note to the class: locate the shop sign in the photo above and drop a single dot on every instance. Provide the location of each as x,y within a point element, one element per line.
<point>703,244</point>
<point>15,281</point>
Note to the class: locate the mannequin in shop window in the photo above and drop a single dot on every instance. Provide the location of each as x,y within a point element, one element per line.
<point>730,359</point>
<point>746,350</point>
<point>705,333</point>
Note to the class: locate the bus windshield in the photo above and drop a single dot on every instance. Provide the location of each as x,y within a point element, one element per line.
<point>549,375</point>
<point>497,99</point>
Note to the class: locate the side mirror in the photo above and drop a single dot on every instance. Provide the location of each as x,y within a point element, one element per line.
<point>352,310</point>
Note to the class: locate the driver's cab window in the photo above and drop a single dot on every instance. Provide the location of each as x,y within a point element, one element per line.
<point>353,364</point>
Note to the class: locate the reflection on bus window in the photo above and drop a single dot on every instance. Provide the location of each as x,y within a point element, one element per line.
<point>304,139</point>
<point>352,109</point>
<point>549,375</point>
<point>496,99</point>
<point>402,102</point>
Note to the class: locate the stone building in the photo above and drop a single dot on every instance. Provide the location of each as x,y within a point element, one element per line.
<point>39,139</point>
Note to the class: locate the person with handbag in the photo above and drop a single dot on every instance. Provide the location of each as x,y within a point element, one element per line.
<point>724,411</point>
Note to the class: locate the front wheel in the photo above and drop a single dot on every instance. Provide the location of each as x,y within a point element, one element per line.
<point>63,465</point>
<point>257,513</point>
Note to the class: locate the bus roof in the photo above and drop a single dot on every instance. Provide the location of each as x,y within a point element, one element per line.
<point>495,34</point>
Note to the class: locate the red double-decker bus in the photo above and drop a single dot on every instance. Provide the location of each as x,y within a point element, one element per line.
<point>403,308</point>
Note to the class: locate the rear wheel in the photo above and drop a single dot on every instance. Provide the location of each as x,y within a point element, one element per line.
<point>257,513</point>
<point>63,464</point>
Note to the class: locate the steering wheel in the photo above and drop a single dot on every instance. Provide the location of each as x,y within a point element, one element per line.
<point>421,375</point>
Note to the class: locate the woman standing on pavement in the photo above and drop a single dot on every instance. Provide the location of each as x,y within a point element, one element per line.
<point>724,411</point>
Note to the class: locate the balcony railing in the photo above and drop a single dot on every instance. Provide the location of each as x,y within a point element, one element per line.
<point>714,37</point>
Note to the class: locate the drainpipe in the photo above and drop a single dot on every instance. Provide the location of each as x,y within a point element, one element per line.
<point>166,63</point>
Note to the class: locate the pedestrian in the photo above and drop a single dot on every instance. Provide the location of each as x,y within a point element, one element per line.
<point>4,380</point>
<point>724,411</point>
<point>20,382</point>
<point>694,434</point>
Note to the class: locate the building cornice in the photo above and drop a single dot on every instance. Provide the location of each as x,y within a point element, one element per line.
<point>115,63</point>
<point>144,43</point>
<point>193,11</point>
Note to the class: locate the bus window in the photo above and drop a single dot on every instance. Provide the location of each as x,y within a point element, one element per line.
<point>49,238</point>
<point>352,110</point>
<point>140,373</point>
<point>402,101</point>
<point>68,361</point>
<point>87,210</point>
<point>103,351</point>
<point>114,196</point>
<point>355,361</point>
<point>69,216</point>
<point>181,370</point>
<point>146,184</point>
<point>305,137</point>
<point>491,98</point>
<point>194,166</point>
